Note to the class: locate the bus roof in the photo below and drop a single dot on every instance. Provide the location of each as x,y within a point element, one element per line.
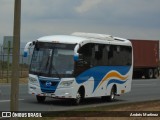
<point>78,38</point>
<point>62,39</point>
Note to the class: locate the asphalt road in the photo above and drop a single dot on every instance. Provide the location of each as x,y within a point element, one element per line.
<point>142,90</point>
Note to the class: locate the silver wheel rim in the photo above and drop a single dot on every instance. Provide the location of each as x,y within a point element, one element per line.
<point>78,97</point>
<point>112,95</point>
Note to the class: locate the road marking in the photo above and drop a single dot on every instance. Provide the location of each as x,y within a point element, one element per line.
<point>9,100</point>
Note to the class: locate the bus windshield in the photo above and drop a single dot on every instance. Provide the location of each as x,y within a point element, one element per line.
<point>52,60</point>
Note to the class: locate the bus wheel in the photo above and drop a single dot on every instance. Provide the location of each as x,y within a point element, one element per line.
<point>112,94</point>
<point>77,100</point>
<point>40,99</point>
<point>111,97</point>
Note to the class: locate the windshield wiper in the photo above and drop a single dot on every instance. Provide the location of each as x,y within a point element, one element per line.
<point>53,67</point>
<point>56,72</point>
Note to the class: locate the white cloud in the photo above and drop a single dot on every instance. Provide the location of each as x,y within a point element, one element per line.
<point>87,5</point>
<point>123,18</point>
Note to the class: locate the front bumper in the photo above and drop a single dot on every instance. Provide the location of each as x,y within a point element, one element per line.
<point>59,93</point>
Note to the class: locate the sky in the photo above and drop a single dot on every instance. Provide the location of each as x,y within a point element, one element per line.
<point>131,19</point>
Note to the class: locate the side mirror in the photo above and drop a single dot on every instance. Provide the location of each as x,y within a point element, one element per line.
<point>25,54</point>
<point>26,49</point>
<point>78,57</point>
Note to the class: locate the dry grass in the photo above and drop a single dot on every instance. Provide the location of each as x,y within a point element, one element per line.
<point>21,80</point>
<point>141,106</point>
<point>146,106</point>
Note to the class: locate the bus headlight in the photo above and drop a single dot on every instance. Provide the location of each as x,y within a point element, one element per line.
<point>66,83</point>
<point>32,80</point>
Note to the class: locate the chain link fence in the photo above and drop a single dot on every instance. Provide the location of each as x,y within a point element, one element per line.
<point>6,65</point>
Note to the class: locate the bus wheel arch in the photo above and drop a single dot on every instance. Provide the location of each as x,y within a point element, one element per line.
<point>80,95</point>
<point>112,95</point>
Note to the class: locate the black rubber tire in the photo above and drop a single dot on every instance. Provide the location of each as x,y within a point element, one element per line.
<point>155,73</point>
<point>78,99</point>
<point>40,99</point>
<point>111,97</point>
<point>149,73</point>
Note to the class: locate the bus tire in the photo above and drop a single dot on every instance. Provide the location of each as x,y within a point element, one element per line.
<point>111,97</point>
<point>78,98</point>
<point>40,99</point>
<point>112,94</point>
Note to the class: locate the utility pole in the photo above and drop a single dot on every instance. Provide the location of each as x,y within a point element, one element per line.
<point>15,59</point>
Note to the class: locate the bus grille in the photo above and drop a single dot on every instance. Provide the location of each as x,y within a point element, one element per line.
<point>48,86</point>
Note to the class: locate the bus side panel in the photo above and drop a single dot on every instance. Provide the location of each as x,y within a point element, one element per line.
<point>99,80</point>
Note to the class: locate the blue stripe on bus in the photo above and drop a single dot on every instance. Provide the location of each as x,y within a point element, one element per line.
<point>99,72</point>
<point>115,81</point>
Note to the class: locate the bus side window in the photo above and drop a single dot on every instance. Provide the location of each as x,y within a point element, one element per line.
<point>99,58</point>
<point>110,55</point>
<point>120,55</point>
<point>98,52</point>
<point>86,53</point>
<point>85,63</point>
